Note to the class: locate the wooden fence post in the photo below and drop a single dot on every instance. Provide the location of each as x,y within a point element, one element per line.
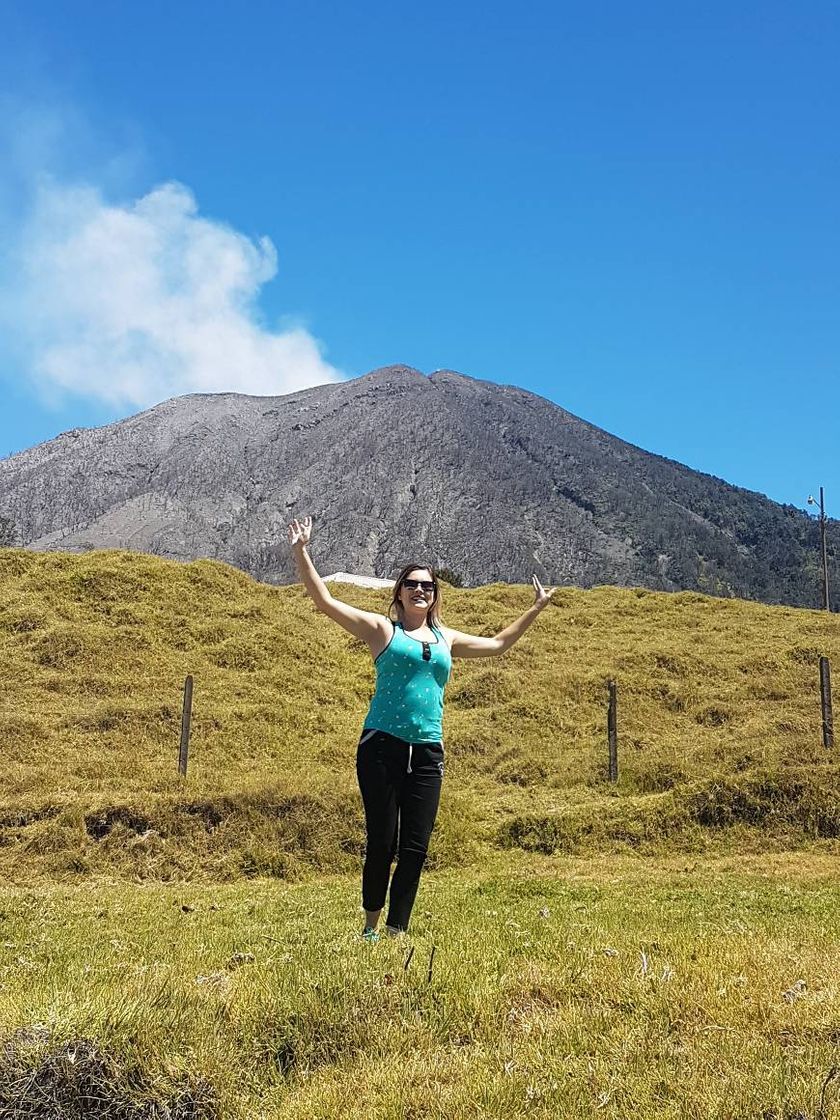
<point>186,718</point>
<point>825,697</point>
<point>612,732</point>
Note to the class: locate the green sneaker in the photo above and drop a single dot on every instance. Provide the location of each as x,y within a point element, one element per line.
<point>370,935</point>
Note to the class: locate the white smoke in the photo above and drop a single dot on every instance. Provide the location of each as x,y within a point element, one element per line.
<point>130,304</point>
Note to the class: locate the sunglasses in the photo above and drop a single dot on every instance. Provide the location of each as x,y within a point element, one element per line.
<point>423,584</point>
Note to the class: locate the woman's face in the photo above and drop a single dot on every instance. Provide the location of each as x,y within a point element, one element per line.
<point>417,589</point>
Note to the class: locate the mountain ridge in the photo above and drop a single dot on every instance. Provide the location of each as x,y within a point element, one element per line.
<point>490,481</point>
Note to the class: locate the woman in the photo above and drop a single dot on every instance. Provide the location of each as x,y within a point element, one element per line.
<point>399,762</point>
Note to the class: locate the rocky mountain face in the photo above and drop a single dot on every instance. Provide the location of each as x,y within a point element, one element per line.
<point>489,481</point>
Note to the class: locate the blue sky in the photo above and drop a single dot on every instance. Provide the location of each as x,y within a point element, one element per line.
<point>632,210</point>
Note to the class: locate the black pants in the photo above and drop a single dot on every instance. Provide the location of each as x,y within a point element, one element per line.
<point>400,784</point>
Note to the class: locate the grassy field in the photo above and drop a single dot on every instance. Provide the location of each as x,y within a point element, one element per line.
<point>719,722</point>
<point>666,946</point>
<point>559,987</point>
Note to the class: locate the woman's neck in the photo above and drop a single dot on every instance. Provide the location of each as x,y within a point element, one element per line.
<point>414,619</point>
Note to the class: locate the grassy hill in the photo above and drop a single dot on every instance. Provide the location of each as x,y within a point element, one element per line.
<point>719,723</point>
<point>665,947</point>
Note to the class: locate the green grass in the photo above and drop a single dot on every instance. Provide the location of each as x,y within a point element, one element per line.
<point>558,987</point>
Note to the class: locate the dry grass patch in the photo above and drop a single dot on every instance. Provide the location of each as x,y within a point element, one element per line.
<point>769,809</point>
<point>96,648</point>
<point>44,1078</point>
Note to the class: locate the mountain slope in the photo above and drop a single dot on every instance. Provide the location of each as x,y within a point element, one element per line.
<point>489,481</point>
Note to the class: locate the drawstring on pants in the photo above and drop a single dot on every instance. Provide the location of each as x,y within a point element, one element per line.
<point>410,747</point>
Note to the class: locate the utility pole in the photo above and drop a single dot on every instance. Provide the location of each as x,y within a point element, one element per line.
<point>823,550</point>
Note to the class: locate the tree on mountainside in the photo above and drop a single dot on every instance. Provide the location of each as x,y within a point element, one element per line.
<point>450,577</point>
<point>8,533</point>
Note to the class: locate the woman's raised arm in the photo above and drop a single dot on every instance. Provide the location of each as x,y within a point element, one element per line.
<point>365,625</point>
<point>474,645</point>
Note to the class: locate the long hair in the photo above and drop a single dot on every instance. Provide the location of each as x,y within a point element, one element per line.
<point>433,617</point>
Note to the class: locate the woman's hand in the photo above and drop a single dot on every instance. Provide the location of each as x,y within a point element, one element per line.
<point>542,596</point>
<point>300,532</point>
<point>476,645</point>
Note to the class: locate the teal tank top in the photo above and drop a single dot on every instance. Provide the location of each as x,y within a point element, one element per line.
<point>408,700</point>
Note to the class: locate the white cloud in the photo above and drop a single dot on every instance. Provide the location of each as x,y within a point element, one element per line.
<point>131,304</point>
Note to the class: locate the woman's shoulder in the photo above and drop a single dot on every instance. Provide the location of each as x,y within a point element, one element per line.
<point>446,632</point>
